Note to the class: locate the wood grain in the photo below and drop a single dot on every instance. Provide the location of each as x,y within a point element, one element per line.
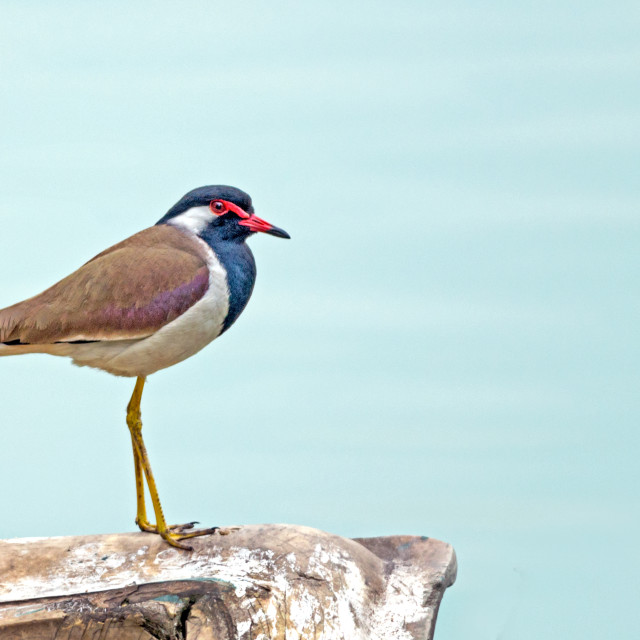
<point>260,582</point>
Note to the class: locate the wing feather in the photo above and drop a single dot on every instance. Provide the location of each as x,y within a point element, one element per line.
<point>128,291</point>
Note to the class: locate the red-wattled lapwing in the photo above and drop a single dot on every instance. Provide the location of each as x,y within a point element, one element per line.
<point>147,303</point>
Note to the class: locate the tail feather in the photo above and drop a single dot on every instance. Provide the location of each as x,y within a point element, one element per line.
<point>20,349</point>
<point>12,326</point>
<point>10,320</point>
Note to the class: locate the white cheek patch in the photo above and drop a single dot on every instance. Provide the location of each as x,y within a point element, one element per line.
<point>194,220</point>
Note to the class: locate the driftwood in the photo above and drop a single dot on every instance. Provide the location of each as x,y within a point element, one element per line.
<point>257,583</point>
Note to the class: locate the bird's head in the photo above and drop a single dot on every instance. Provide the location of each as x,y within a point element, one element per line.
<point>225,211</point>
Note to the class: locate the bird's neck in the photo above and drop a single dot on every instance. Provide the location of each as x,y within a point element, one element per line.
<point>238,262</point>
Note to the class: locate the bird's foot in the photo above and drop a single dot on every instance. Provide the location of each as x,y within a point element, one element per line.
<point>174,528</point>
<point>175,538</point>
<point>175,533</point>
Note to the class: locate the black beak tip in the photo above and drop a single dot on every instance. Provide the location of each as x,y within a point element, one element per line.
<point>279,233</point>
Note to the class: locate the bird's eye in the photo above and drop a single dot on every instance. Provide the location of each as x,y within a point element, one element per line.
<point>218,207</point>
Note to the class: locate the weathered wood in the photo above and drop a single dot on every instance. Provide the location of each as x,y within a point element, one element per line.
<point>260,582</point>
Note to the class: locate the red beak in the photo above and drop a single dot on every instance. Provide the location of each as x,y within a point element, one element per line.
<point>262,226</point>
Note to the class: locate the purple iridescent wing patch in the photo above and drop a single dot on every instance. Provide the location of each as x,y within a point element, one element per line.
<point>162,309</point>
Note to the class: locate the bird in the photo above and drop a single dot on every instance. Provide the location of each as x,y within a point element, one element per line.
<point>145,304</point>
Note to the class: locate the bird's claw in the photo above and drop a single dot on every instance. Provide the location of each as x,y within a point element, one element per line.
<point>175,538</point>
<point>179,528</point>
<point>175,533</point>
<point>176,528</point>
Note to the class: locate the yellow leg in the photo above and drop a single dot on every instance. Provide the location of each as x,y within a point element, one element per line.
<point>172,534</point>
<point>134,422</point>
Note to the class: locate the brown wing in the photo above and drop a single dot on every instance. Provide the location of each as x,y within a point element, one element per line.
<point>128,291</point>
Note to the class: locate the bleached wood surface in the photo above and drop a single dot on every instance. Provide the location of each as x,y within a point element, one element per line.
<point>276,582</point>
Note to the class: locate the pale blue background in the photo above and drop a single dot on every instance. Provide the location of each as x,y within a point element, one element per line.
<point>449,344</point>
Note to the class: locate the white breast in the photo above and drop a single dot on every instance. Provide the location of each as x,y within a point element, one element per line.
<point>174,342</point>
